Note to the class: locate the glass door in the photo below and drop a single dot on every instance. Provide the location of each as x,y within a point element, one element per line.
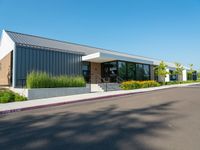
<point>109,71</point>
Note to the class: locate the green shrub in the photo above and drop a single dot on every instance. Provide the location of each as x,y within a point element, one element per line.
<point>43,80</point>
<point>9,96</point>
<point>180,82</point>
<point>172,82</point>
<point>19,98</point>
<point>129,85</point>
<point>38,80</point>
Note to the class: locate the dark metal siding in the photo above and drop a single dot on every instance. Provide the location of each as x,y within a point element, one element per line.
<point>53,62</point>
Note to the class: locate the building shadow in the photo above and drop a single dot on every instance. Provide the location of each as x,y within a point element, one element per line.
<point>108,128</point>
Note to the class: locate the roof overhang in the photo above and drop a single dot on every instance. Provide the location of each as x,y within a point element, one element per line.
<point>105,57</point>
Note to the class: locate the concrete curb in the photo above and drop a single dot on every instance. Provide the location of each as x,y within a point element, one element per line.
<point>71,102</point>
<point>5,112</point>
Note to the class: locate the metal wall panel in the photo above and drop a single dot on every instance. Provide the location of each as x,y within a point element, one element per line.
<point>53,62</point>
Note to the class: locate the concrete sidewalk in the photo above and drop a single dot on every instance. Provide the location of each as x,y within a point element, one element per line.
<point>56,101</point>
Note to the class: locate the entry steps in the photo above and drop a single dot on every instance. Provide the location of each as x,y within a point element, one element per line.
<point>103,87</point>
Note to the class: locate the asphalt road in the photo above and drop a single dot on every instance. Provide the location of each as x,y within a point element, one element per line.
<point>160,120</point>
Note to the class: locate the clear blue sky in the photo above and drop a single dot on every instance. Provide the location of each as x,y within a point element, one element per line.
<point>164,29</point>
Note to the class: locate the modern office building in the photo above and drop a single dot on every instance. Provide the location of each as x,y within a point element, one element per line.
<point>21,53</point>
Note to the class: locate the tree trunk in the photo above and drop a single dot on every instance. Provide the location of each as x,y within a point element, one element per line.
<point>161,79</point>
<point>180,77</point>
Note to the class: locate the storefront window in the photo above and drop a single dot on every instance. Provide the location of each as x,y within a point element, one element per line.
<point>122,70</point>
<point>110,71</point>
<point>173,77</point>
<point>125,70</point>
<point>131,71</point>
<point>86,71</point>
<point>146,72</point>
<point>139,72</point>
<point>142,72</point>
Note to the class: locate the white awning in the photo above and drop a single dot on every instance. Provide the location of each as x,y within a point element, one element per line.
<point>105,57</point>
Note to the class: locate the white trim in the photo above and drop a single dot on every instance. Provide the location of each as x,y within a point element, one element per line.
<point>7,45</point>
<point>14,68</point>
<point>100,57</point>
<point>184,75</point>
<point>104,57</point>
<point>167,78</point>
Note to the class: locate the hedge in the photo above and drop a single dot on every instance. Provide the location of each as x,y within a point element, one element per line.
<point>44,80</point>
<point>130,85</point>
<point>179,82</point>
<point>9,96</point>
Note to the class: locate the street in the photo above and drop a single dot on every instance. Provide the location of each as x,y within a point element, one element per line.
<point>159,120</point>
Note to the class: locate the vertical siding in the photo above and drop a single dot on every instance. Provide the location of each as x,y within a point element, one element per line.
<point>52,62</point>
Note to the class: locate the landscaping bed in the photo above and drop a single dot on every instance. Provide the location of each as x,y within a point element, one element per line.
<point>130,85</point>
<point>38,93</point>
<point>44,80</point>
<point>7,96</point>
<point>179,82</point>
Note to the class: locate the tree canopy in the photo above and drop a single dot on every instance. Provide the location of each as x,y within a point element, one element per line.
<point>161,69</point>
<point>179,69</point>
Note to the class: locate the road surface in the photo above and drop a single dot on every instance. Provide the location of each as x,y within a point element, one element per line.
<point>159,120</point>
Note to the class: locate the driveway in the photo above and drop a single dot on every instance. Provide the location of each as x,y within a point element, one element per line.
<point>159,120</point>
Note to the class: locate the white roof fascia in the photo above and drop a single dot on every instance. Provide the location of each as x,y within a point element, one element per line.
<point>110,56</point>
<point>91,56</point>
<point>113,56</point>
<point>7,45</point>
<point>129,58</point>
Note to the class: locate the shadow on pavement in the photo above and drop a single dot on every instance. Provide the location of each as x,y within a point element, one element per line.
<point>104,129</point>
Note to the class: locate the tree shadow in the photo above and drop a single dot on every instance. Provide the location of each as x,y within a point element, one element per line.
<point>104,129</point>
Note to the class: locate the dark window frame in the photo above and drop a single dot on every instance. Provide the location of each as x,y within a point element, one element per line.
<point>128,62</point>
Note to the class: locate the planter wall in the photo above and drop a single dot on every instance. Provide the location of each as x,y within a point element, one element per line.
<point>40,93</point>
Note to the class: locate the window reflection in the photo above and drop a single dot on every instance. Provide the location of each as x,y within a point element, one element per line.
<point>110,71</point>
<point>125,70</point>
<point>86,71</point>
<point>131,71</point>
<point>139,72</point>
<point>122,70</point>
<point>146,72</point>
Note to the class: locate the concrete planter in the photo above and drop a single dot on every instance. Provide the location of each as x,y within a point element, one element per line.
<point>52,92</point>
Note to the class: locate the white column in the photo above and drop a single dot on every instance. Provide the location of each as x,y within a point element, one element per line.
<point>14,69</point>
<point>167,78</point>
<point>184,75</point>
